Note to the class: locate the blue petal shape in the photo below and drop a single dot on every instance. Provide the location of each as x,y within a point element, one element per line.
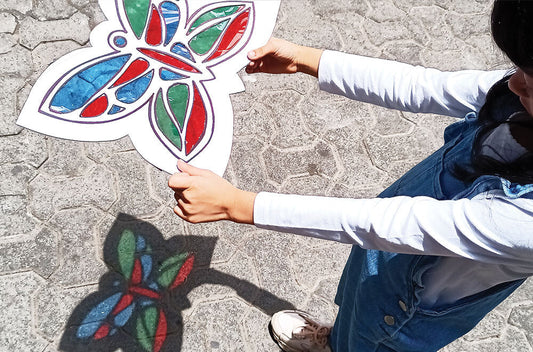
<point>140,244</point>
<point>132,91</point>
<point>146,302</point>
<point>96,316</point>
<point>146,263</point>
<point>115,109</point>
<point>167,75</point>
<point>154,286</point>
<point>122,318</point>
<point>171,16</point>
<point>181,50</point>
<point>80,88</point>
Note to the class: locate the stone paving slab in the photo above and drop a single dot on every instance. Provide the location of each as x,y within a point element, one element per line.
<point>61,202</point>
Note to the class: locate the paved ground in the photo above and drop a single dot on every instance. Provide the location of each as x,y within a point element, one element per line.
<point>63,204</point>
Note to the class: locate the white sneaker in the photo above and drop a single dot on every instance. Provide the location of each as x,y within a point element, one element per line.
<point>297,331</point>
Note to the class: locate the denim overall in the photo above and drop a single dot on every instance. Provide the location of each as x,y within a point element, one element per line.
<point>379,292</point>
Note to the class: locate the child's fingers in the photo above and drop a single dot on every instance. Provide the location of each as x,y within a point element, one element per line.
<point>255,57</point>
<point>179,212</point>
<point>263,51</point>
<point>257,53</point>
<point>250,68</point>
<point>254,67</point>
<point>180,181</point>
<point>191,170</point>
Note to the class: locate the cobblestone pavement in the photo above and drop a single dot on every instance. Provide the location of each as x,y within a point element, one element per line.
<point>62,202</point>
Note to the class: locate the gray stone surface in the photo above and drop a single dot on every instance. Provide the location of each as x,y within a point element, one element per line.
<point>20,6</point>
<point>8,114</point>
<point>16,62</point>
<point>32,32</point>
<point>16,331</point>
<point>8,23</point>
<point>61,201</point>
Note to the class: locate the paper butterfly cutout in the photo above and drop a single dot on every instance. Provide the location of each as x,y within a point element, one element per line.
<point>160,71</point>
<point>146,282</point>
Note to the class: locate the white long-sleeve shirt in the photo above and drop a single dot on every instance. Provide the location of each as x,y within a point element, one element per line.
<point>484,241</point>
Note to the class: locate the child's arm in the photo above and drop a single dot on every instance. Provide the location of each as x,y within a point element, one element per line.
<point>489,228</point>
<point>400,86</point>
<point>385,83</point>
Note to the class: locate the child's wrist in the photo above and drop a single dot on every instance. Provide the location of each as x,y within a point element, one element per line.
<point>309,60</point>
<point>242,208</point>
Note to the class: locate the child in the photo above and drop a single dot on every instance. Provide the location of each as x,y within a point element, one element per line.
<point>444,244</point>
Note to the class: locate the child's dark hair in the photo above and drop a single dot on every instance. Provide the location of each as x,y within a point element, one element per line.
<point>512,30</point>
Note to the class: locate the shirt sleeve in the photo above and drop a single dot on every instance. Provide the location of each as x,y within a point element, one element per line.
<point>405,87</point>
<point>489,228</point>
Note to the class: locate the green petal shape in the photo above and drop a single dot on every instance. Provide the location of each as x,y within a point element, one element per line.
<point>165,123</point>
<point>205,40</point>
<point>146,327</point>
<point>178,98</point>
<point>216,13</point>
<point>137,12</point>
<point>169,269</point>
<point>126,253</point>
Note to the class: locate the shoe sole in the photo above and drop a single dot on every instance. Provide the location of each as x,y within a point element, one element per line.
<point>273,336</point>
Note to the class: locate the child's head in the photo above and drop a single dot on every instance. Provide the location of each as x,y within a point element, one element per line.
<point>512,29</point>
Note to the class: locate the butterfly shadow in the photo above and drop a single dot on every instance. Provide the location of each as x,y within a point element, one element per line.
<point>139,300</point>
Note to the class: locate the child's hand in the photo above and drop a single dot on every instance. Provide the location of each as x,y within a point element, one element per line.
<point>203,196</point>
<point>281,56</point>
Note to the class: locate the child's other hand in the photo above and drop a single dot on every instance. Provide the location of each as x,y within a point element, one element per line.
<point>203,196</point>
<point>281,56</point>
<point>277,56</point>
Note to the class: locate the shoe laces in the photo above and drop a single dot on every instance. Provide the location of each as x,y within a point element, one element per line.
<point>315,333</point>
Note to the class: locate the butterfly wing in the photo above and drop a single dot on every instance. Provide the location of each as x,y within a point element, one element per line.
<point>151,328</point>
<point>218,31</point>
<point>182,118</point>
<point>134,258</point>
<point>100,90</point>
<point>175,270</point>
<point>104,318</point>
<point>91,100</point>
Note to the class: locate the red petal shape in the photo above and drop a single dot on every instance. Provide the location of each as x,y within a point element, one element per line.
<point>197,123</point>
<point>232,36</point>
<point>102,332</point>
<point>124,302</point>
<point>96,108</point>
<point>145,292</point>
<point>185,270</point>
<point>154,34</point>
<point>135,69</point>
<point>168,59</point>
<point>161,332</point>
<point>136,275</point>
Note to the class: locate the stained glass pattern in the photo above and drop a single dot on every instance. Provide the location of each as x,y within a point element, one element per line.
<point>160,56</point>
<point>78,90</point>
<point>137,305</point>
<point>137,13</point>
